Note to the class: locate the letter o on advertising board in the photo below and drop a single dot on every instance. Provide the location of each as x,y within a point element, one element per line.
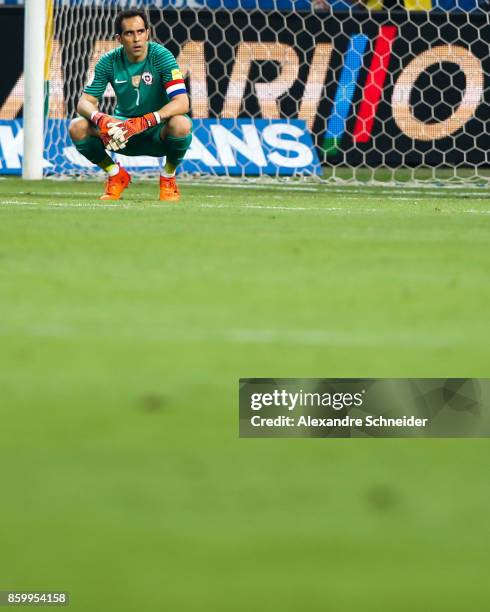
<point>402,113</point>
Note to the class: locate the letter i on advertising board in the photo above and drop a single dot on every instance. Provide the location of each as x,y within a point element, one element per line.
<point>353,61</point>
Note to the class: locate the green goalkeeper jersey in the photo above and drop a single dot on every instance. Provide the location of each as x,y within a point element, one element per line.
<point>142,87</point>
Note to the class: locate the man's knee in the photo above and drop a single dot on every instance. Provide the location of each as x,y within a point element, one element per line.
<point>80,128</point>
<point>178,127</point>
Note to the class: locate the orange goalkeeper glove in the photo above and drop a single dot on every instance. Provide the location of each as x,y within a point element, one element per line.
<point>129,128</point>
<point>104,123</point>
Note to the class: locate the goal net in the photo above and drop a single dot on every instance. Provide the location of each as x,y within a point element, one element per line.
<point>340,91</point>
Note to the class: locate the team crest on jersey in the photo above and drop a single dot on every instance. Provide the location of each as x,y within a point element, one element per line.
<point>136,80</point>
<point>147,78</point>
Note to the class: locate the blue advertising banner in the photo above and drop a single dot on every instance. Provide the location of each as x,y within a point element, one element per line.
<point>275,5</point>
<point>264,5</point>
<point>228,146</point>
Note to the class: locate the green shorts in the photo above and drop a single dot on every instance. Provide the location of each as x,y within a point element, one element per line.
<point>148,142</point>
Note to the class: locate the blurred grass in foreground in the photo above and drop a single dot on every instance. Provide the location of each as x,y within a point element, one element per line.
<point>124,330</point>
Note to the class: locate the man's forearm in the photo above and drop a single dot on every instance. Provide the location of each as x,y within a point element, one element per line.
<point>178,106</point>
<point>87,108</point>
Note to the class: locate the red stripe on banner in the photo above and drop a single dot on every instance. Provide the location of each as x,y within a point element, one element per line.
<point>170,83</point>
<point>374,83</point>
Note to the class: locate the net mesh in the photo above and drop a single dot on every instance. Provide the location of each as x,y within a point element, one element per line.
<point>373,96</point>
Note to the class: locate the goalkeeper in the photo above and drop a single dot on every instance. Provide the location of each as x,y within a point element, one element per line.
<point>150,116</point>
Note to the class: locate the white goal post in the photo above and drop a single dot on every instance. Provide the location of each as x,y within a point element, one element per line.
<point>352,95</point>
<point>34,53</point>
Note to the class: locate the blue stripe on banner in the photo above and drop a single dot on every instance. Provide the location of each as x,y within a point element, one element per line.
<point>347,85</point>
<point>177,92</point>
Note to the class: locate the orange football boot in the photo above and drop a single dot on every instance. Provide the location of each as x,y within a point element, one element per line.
<point>169,190</point>
<point>115,185</point>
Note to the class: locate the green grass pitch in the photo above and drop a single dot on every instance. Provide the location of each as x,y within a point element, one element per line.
<point>124,329</point>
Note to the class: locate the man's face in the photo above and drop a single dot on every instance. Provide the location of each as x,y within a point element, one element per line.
<point>134,38</point>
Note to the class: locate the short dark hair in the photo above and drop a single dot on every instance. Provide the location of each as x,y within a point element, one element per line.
<point>127,15</point>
